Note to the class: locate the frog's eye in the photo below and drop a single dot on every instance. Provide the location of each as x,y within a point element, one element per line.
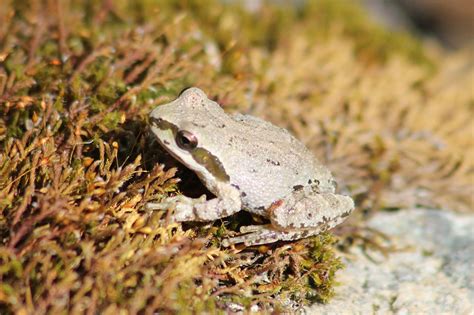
<point>186,140</point>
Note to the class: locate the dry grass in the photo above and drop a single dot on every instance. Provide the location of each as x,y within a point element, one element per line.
<point>77,79</point>
<point>396,135</point>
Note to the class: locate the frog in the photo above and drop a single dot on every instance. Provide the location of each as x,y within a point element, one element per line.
<point>248,164</point>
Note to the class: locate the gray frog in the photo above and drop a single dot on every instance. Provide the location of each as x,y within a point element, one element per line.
<point>249,164</point>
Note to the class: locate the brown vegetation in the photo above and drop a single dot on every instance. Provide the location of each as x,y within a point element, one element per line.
<point>391,118</point>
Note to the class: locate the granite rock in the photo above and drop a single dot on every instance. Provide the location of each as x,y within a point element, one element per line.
<point>432,272</point>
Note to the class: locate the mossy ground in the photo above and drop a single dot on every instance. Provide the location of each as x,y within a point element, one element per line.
<point>390,117</point>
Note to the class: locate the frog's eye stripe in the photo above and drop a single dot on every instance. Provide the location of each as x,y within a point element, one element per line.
<point>200,155</point>
<point>163,124</point>
<point>211,163</point>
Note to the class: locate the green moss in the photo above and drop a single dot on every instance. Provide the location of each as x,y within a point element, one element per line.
<point>373,42</point>
<point>77,165</point>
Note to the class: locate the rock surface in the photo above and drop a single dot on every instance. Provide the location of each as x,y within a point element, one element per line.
<point>433,273</point>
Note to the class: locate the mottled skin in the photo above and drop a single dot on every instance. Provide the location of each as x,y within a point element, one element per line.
<point>249,164</point>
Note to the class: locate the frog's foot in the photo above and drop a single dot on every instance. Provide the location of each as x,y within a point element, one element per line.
<point>182,207</point>
<point>265,234</point>
<point>200,209</point>
<point>171,202</point>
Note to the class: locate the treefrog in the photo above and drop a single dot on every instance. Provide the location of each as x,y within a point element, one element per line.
<point>249,164</point>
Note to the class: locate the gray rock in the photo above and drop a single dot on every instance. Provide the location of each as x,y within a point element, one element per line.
<point>432,273</point>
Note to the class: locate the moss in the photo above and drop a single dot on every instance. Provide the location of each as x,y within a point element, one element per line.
<point>77,166</point>
<point>372,42</point>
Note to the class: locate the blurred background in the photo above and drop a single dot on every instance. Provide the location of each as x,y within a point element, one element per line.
<point>450,22</point>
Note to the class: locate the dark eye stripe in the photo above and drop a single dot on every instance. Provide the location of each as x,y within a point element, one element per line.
<point>163,124</point>
<point>211,163</point>
<point>200,155</point>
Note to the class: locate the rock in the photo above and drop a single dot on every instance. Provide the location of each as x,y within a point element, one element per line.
<point>433,273</point>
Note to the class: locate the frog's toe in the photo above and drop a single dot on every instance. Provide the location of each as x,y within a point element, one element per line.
<point>251,228</point>
<point>156,206</point>
<point>165,204</point>
<point>180,211</point>
<point>259,237</point>
<point>183,212</point>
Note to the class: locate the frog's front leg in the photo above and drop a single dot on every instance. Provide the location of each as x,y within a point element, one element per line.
<point>200,209</point>
<point>299,215</point>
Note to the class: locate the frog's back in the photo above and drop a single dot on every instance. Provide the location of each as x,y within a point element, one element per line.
<point>273,165</point>
<point>265,162</point>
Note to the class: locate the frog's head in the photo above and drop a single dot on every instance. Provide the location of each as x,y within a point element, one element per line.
<point>182,128</point>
